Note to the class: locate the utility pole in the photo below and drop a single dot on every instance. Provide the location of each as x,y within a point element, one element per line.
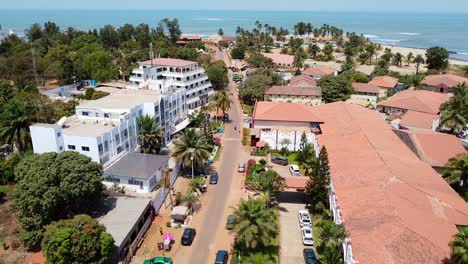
<point>34,64</point>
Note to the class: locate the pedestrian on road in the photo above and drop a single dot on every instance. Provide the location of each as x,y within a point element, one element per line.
<point>161,230</point>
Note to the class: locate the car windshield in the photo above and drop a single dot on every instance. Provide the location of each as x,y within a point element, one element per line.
<point>307,231</point>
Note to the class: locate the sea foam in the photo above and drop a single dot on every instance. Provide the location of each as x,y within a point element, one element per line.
<point>409,33</point>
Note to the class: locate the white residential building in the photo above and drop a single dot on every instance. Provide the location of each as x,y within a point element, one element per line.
<point>106,129</point>
<point>184,74</point>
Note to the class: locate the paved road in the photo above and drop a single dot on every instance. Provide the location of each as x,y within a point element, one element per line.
<point>231,152</point>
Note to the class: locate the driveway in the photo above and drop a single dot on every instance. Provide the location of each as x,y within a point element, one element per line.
<point>290,202</point>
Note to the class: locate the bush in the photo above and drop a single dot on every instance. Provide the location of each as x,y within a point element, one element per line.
<point>168,224</point>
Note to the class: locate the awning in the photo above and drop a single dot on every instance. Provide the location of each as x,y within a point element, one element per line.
<point>181,126</point>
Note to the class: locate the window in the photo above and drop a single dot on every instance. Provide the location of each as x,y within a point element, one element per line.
<point>71,147</point>
<point>84,148</point>
<point>100,149</point>
<point>61,148</point>
<point>117,138</point>
<point>111,179</point>
<point>135,182</point>
<point>58,134</point>
<point>140,112</point>
<point>106,115</point>
<point>125,133</point>
<point>85,113</point>
<point>106,145</point>
<point>119,149</point>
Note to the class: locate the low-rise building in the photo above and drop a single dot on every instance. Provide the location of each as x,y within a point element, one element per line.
<point>294,94</point>
<point>184,39</point>
<point>414,109</point>
<point>442,82</point>
<point>365,91</point>
<point>303,81</point>
<point>184,74</point>
<point>318,71</point>
<point>280,59</point>
<point>386,84</point>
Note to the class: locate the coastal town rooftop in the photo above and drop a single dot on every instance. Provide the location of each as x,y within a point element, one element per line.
<point>365,88</point>
<point>417,100</point>
<point>123,99</point>
<point>280,111</point>
<point>384,82</point>
<point>294,91</point>
<point>449,80</point>
<point>319,70</point>
<point>302,80</point>
<point>280,59</point>
<point>395,207</point>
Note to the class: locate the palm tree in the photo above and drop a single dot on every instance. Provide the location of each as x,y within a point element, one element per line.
<point>15,119</point>
<point>314,49</point>
<point>150,135</point>
<point>191,144</point>
<point>454,113</point>
<point>409,58</point>
<point>298,61</point>
<point>456,170</point>
<point>266,183</point>
<point>459,246</point>
<point>397,59</point>
<point>190,199</point>
<point>255,224</point>
<point>222,101</point>
<point>418,60</point>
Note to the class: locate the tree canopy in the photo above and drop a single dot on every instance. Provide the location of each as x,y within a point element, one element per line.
<point>217,74</point>
<point>437,58</point>
<point>335,88</point>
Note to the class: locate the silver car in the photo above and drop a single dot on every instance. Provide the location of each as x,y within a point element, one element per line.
<point>241,167</point>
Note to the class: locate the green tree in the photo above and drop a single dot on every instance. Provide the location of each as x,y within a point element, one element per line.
<point>54,186</point>
<point>220,32</point>
<point>454,113</point>
<point>65,109</point>
<point>169,28</point>
<point>187,54</point>
<point>190,199</point>
<point>329,241</point>
<point>418,60</point>
<point>191,144</point>
<point>335,88</point>
<point>306,150</point>
<point>79,240</point>
<point>238,52</point>
<point>456,171</point>
<point>217,74</point>
<point>268,182</point>
<point>258,60</point>
<point>221,101</point>
<point>328,52</point>
<point>255,224</point>
<point>319,178</point>
<point>109,36</point>
<point>253,88</point>
<point>34,32</point>
<point>409,58</point>
<point>437,58</point>
<point>150,135</point>
<point>313,50</point>
<point>459,246</point>
<point>381,68</point>
<point>398,59</point>
<point>98,66</point>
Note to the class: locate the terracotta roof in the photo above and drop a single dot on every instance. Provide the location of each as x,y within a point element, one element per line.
<point>384,82</point>
<point>190,37</point>
<point>168,62</point>
<point>229,38</point>
<point>418,119</point>
<point>365,88</point>
<point>303,80</point>
<point>296,182</point>
<point>396,208</point>
<point>294,90</point>
<point>279,111</point>
<point>449,80</point>
<point>432,147</point>
<point>319,70</point>
<point>280,58</point>
<point>417,100</point>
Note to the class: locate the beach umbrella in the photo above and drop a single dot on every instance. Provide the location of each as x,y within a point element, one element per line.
<point>168,236</point>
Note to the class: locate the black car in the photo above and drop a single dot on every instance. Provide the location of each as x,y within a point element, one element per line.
<point>280,160</point>
<point>221,257</point>
<point>188,236</point>
<point>309,256</point>
<point>214,178</point>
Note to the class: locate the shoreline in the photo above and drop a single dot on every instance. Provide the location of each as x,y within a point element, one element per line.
<point>419,51</point>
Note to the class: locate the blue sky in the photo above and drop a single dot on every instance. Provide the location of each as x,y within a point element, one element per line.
<point>458,6</point>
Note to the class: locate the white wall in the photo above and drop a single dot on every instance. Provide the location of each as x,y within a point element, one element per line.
<point>370,98</point>
<point>79,142</point>
<point>279,124</point>
<point>307,100</point>
<point>275,137</point>
<point>46,138</point>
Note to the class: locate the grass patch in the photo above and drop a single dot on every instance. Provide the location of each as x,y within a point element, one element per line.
<point>247,109</point>
<point>292,157</point>
<point>6,189</point>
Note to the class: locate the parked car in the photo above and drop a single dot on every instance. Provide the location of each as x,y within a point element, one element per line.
<point>226,117</point>
<point>188,236</point>
<point>230,222</point>
<point>214,177</point>
<point>241,167</point>
<point>294,170</point>
<point>221,257</point>
<point>309,256</point>
<point>158,260</point>
<point>304,218</point>
<point>280,160</point>
<point>307,236</point>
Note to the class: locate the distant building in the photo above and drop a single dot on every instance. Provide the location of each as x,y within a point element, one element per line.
<point>386,84</point>
<point>318,71</point>
<point>365,91</point>
<point>184,39</point>
<point>280,59</point>
<point>302,89</point>
<point>442,82</point>
<point>303,81</point>
<point>414,109</point>
<point>184,74</point>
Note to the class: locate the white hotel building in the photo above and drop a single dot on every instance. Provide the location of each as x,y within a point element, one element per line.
<point>106,129</point>
<point>184,74</point>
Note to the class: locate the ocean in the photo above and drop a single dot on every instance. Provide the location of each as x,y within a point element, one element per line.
<point>415,30</point>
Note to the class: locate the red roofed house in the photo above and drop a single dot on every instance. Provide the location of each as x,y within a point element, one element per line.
<point>396,208</point>
<point>442,82</point>
<point>415,108</point>
<point>272,122</point>
<point>302,89</point>
<point>280,59</point>
<point>184,39</point>
<point>431,147</point>
<point>366,91</point>
<point>386,84</point>
<point>319,71</point>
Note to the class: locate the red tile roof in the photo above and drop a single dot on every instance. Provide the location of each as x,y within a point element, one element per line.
<point>384,82</point>
<point>229,39</point>
<point>190,37</point>
<point>432,147</point>
<point>280,58</point>
<point>396,208</point>
<point>296,182</point>
<point>417,100</point>
<point>168,62</point>
<point>294,90</point>
<point>365,88</point>
<point>418,119</point>
<point>302,80</point>
<point>279,111</point>
<point>319,70</point>
<point>449,80</point>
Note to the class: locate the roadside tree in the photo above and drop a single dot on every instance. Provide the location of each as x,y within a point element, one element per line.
<point>151,135</point>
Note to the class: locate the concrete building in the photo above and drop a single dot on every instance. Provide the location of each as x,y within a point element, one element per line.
<point>386,84</point>
<point>318,71</point>
<point>136,172</point>
<point>367,92</point>
<point>302,89</point>
<point>184,74</point>
<point>106,129</point>
<point>442,82</point>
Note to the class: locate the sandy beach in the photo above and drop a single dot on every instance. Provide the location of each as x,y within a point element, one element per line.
<point>404,51</point>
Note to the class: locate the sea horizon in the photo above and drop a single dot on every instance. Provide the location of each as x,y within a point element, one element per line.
<point>403,29</point>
